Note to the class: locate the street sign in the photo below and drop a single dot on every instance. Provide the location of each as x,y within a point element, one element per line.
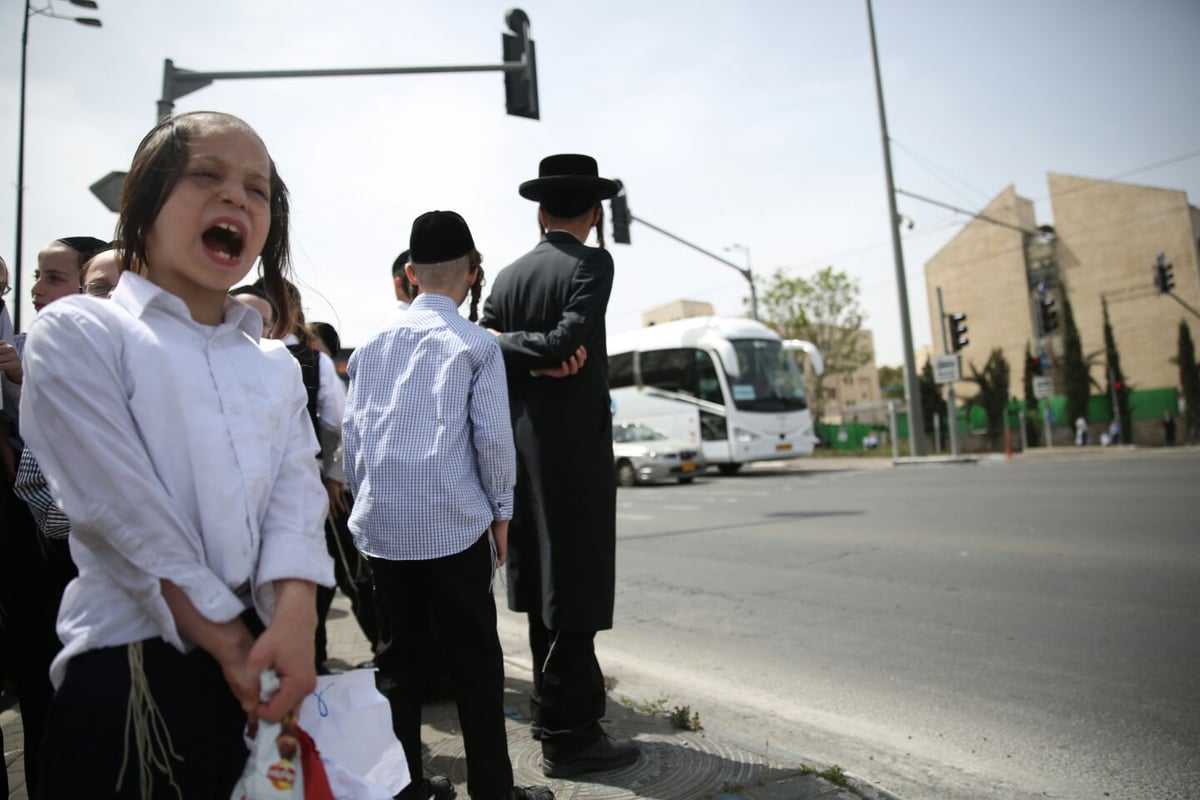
<point>108,190</point>
<point>1043,386</point>
<point>946,369</point>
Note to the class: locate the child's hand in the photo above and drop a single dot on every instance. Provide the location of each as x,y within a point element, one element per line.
<point>500,537</point>
<point>232,652</point>
<point>286,646</point>
<point>10,362</point>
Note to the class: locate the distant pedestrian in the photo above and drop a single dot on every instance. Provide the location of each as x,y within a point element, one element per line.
<point>1168,428</point>
<point>1081,432</point>
<point>1114,432</point>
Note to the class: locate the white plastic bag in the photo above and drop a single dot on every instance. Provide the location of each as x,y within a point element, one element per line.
<point>273,769</point>
<point>351,723</point>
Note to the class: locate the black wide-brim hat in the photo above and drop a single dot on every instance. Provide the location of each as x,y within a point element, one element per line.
<point>569,183</point>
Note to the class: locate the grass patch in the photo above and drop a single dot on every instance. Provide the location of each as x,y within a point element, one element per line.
<point>653,708</point>
<point>683,718</point>
<point>833,774</point>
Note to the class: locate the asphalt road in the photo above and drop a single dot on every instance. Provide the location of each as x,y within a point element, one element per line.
<point>1000,630</point>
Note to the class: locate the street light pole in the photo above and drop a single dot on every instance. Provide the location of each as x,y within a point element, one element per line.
<point>749,276</point>
<point>912,393</point>
<point>16,265</point>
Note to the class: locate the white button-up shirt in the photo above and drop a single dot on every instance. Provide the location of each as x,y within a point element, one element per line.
<point>179,451</point>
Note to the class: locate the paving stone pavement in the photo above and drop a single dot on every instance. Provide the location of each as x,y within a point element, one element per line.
<point>674,765</point>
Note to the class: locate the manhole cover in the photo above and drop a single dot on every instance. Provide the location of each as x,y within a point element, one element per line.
<point>674,765</point>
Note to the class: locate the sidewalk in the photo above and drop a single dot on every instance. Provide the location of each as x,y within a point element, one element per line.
<point>675,764</point>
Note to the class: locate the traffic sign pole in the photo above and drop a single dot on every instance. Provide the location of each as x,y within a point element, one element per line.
<point>952,408</point>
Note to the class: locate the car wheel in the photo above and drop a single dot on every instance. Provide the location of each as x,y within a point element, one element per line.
<point>729,469</point>
<point>626,476</point>
<point>687,480</point>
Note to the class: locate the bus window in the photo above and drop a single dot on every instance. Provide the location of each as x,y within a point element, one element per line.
<point>707,386</point>
<point>669,370</point>
<point>769,379</point>
<point>620,370</point>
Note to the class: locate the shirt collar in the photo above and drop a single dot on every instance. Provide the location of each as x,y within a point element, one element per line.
<point>136,294</point>
<point>433,302</point>
<point>559,233</point>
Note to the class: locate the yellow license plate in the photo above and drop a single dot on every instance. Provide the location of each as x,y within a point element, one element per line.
<point>687,466</point>
<point>783,447</point>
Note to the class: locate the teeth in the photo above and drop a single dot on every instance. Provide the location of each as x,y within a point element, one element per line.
<point>225,256</point>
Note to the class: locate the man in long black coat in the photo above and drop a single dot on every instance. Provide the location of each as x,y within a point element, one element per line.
<point>562,540</point>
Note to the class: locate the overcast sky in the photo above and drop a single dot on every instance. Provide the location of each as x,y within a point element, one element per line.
<point>734,122</point>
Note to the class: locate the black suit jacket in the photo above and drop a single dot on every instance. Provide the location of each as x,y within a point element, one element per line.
<point>562,541</point>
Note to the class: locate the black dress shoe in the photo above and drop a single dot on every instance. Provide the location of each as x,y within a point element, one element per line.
<point>605,754</point>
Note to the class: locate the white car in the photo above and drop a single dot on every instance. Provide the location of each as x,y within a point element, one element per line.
<point>643,454</point>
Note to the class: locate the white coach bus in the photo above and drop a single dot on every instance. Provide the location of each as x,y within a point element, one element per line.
<point>736,373</point>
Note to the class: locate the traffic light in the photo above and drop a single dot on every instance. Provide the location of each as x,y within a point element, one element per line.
<point>1162,275</point>
<point>520,86</point>
<point>1047,315</point>
<point>621,216</point>
<point>1034,366</point>
<point>958,332</point>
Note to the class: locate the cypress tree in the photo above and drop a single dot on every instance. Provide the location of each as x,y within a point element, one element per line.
<point>1074,368</point>
<point>1189,382</point>
<point>1116,380</point>
<point>1031,403</point>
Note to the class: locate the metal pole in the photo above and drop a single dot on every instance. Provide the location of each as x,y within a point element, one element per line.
<point>892,429</point>
<point>745,272</point>
<point>16,265</point>
<point>1024,440</point>
<point>912,394</point>
<point>937,432</point>
<point>1046,424</point>
<point>953,408</point>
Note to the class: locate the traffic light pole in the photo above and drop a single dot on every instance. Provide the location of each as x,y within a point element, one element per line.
<point>178,82</point>
<point>745,271</point>
<point>953,409</point>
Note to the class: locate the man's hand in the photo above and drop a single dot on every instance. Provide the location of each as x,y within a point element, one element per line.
<point>500,537</point>
<point>10,363</point>
<point>567,368</point>
<point>337,504</point>
<point>286,646</point>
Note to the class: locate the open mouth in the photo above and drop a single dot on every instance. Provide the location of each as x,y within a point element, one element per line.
<point>225,242</point>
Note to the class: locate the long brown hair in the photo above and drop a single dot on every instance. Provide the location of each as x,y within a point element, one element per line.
<point>157,166</point>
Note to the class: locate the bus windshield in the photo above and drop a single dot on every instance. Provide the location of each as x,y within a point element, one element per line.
<point>769,379</point>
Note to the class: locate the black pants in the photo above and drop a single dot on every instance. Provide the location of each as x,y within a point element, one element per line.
<point>34,571</point>
<point>86,739</point>
<point>352,572</point>
<point>456,591</point>
<point>568,688</point>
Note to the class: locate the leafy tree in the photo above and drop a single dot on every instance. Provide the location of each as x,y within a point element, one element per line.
<point>932,401</point>
<point>823,310</point>
<point>1031,403</point>
<point>992,396</point>
<point>1189,382</point>
<point>1117,384</point>
<point>891,382</point>
<point>1075,374</point>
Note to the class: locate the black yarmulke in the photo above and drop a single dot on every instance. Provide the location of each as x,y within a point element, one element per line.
<point>439,236</point>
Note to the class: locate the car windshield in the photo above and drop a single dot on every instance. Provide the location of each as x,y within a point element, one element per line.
<point>635,432</point>
<point>769,379</point>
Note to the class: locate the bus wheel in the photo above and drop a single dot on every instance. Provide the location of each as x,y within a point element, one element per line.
<point>729,469</point>
<point>626,476</point>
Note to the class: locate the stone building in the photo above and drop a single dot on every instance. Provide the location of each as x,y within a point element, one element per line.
<point>1103,245</point>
